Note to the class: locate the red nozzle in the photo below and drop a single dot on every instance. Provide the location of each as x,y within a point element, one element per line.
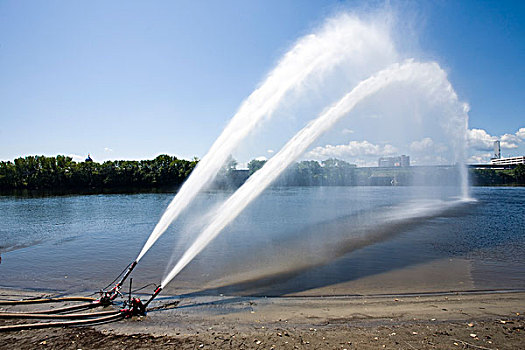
<point>155,293</point>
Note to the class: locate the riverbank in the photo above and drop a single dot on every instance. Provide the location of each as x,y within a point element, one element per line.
<point>491,319</point>
<point>60,175</point>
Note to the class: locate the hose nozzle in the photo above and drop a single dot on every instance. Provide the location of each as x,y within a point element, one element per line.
<point>155,293</point>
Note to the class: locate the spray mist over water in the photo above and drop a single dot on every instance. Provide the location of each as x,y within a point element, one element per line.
<point>365,46</point>
<point>426,76</point>
<point>307,248</point>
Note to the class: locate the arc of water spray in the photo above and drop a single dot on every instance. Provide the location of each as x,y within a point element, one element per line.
<point>340,39</point>
<point>430,75</point>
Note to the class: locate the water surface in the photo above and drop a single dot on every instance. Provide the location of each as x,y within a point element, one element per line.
<point>290,240</point>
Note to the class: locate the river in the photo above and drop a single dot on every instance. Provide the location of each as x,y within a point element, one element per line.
<point>294,240</point>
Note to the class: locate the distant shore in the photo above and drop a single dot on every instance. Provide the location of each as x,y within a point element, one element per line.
<point>60,175</point>
<point>138,190</point>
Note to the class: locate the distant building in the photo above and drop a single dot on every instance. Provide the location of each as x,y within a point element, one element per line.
<point>508,161</point>
<point>88,159</point>
<point>390,162</point>
<point>497,160</point>
<point>497,150</point>
<point>405,161</point>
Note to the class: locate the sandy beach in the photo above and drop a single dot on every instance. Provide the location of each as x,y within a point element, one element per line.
<point>482,320</point>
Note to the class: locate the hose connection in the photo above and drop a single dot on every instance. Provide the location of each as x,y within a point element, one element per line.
<point>107,297</point>
<point>134,308</point>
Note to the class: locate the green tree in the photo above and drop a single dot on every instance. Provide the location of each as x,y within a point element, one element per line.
<point>519,174</point>
<point>62,173</point>
<point>337,172</point>
<point>255,165</point>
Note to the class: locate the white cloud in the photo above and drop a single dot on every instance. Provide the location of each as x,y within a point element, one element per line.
<point>423,151</point>
<point>480,158</point>
<point>510,141</point>
<point>426,144</point>
<point>347,131</point>
<point>262,158</point>
<point>481,140</point>
<point>352,149</point>
<point>481,144</point>
<point>108,150</point>
<point>76,157</point>
<point>270,151</point>
<point>426,151</point>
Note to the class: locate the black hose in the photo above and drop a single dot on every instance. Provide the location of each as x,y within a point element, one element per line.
<point>144,287</point>
<point>68,309</point>
<point>120,274</point>
<point>91,304</point>
<point>17,327</point>
<point>67,316</point>
<point>45,300</point>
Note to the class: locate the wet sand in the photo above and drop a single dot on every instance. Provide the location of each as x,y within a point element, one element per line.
<point>483,320</point>
<point>434,305</point>
<point>436,275</point>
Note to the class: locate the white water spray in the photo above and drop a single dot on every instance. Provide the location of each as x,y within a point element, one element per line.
<point>428,76</point>
<point>345,39</point>
<point>340,237</point>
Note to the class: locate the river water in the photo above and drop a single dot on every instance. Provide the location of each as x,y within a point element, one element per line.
<point>295,240</point>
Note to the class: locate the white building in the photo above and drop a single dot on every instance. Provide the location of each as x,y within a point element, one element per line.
<point>497,150</point>
<point>508,161</point>
<point>389,162</point>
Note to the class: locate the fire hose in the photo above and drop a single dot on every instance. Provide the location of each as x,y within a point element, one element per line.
<point>52,316</point>
<point>103,319</point>
<point>45,300</point>
<point>132,307</point>
<point>92,304</point>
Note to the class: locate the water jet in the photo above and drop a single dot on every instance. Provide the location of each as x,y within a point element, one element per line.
<point>427,76</point>
<point>342,41</point>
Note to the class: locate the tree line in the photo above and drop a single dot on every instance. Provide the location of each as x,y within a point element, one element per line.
<point>492,177</point>
<point>335,172</point>
<point>63,174</point>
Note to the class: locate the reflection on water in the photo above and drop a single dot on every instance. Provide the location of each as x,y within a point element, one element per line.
<point>289,240</point>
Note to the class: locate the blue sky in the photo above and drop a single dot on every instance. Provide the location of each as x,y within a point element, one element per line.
<point>131,80</point>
